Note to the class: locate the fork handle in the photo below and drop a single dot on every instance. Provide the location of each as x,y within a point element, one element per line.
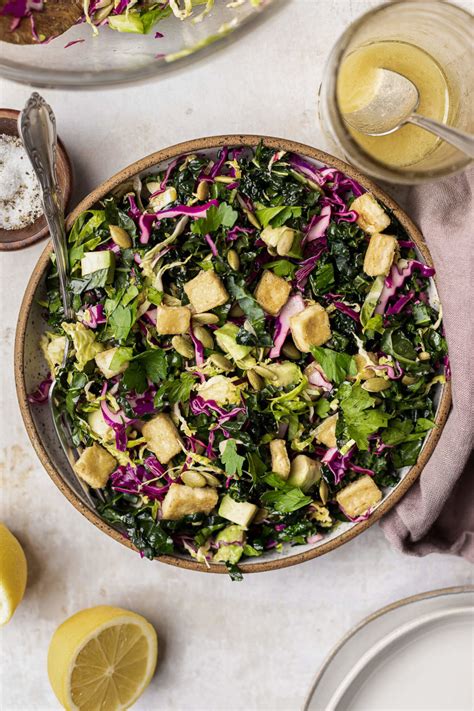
<point>37,128</point>
<point>460,140</point>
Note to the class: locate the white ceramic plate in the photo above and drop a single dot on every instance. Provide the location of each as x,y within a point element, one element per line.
<point>415,654</point>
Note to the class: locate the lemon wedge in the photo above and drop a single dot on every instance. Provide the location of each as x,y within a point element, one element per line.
<point>13,573</point>
<point>102,658</point>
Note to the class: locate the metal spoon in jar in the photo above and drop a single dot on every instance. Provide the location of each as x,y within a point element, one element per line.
<point>394,104</point>
<point>37,129</point>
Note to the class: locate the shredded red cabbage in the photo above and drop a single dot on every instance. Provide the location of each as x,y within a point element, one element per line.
<point>345,309</point>
<point>195,211</point>
<point>293,306</point>
<point>397,278</point>
<point>198,347</point>
<point>40,395</point>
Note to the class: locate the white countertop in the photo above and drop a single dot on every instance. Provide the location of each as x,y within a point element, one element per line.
<point>254,645</point>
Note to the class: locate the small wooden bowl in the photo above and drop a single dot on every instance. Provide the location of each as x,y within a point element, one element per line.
<point>25,236</point>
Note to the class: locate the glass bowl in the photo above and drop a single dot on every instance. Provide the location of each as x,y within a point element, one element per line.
<point>79,59</point>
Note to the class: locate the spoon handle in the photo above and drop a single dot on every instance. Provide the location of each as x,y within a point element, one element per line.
<point>463,141</point>
<point>37,128</point>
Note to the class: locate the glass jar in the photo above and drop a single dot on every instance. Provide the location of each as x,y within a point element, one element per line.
<point>440,29</point>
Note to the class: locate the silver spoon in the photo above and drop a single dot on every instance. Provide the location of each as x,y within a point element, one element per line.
<point>394,104</point>
<point>37,129</point>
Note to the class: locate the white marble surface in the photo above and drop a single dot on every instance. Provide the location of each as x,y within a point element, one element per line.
<point>223,646</point>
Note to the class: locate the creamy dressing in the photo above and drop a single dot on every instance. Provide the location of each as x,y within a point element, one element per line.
<point>357,83</point>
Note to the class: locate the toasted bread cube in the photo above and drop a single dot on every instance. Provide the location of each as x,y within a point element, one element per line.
<point>325,433</point>
<point>162,437</point>
<point>95,465</point>
<point>380,253</point>
<point>359,496</point>
<point>280,460</point>
<point>182,500</point>
<point>272,292</point>
<point>310,327</point>
<point>172,320</point>
<point>372,217</point>
<point>206,291</point>
<point>104,360</point>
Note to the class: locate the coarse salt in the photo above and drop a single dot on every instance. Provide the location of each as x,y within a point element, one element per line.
<point>20,200</point>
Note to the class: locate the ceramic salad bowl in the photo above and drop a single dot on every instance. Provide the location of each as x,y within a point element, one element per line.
<point>30,367</point>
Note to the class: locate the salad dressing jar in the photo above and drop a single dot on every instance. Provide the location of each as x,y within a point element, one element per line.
<point>427,41</point>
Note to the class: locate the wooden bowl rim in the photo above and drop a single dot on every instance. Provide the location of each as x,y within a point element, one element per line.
<point>101,191</point>
<point>19,242</point>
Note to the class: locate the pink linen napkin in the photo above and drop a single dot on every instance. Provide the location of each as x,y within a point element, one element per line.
<point>437,513</point>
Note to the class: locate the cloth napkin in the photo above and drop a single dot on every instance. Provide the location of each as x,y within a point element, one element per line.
<point>437,513</point>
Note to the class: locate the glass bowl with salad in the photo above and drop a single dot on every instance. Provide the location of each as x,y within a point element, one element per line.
<point>257,368</point>
<point>86,43</point>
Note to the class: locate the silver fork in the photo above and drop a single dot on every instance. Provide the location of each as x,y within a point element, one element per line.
<point>37,128</point>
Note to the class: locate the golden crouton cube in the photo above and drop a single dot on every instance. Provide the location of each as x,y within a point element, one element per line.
<point>162,437</point>
<point>95,465</point>
<point>310,327</point>
<point>280,460</point>
<point>172,320</point>
<point>325,433</point>
<point>359,496</point>
<point>183,500</point>
<point>206,291</point>
<point>372,217</point>
<point>380,253</point>
<point>272,292</point>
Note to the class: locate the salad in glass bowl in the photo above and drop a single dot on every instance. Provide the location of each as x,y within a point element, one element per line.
<point>39,21</point>
<point>253,357</point>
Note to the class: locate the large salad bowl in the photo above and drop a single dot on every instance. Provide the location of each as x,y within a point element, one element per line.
<point>31,368</point>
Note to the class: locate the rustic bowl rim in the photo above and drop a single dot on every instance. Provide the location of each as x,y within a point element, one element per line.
<point>66,185</point>
<point>144,164</point>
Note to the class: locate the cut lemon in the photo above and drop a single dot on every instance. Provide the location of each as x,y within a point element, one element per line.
<point>102,659</point>
<point>13,573</point>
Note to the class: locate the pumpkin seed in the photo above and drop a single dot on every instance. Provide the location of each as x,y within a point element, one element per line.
<point>255,380</point>
<point>265,372</point>
<point>183,346</point>
<point>205,318</point>
<point>103,12</point>
<point>170,300</point>
<point>409,380</point>
<point>194,479</point>
<point>203,335</point>
<point>120,237</point>
<point>290,351</point>
<point>376,385</point>
<point>260,516</point>
<point>253,219</point>
<point>233,259</point>
<point>202,192</point>
<point>323,491</point>
<point>236,311</point>
<point>211,479</point>
<point>221,362</point>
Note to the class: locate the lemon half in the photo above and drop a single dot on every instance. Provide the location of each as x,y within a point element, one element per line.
<point>102,658</point>
<point>13,574</point>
